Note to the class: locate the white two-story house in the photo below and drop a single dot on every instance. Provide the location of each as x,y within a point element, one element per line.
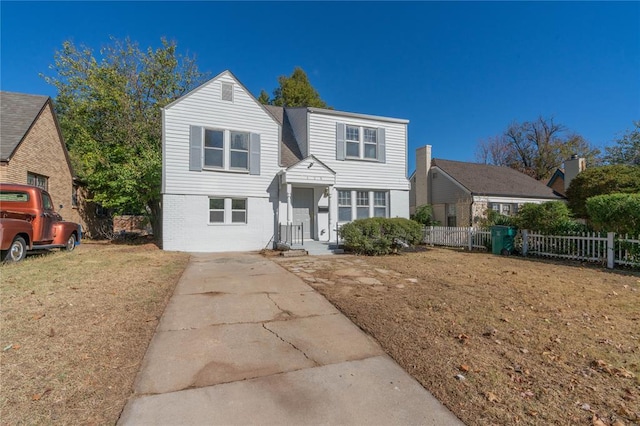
<point>238,175</point>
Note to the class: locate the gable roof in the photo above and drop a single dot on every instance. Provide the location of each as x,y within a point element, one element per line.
<point>230,74</point>
<point>485,179</point>
<point>18,112</point>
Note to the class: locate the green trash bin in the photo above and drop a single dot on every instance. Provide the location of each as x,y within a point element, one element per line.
<point>502,239</point>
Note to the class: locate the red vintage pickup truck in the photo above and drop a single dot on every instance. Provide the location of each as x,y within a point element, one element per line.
<point>28,221</point>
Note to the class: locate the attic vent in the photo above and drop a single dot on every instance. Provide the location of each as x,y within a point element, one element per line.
<point>434,175</point>
<point>227,92</point>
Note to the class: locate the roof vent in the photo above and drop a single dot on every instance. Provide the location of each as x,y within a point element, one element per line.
<point>227,92</point>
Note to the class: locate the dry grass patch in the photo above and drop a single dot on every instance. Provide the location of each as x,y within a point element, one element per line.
<point>531,342</point>
<point>75,327</point>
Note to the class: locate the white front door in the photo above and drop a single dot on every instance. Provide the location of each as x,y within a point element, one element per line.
<point>302,202</point>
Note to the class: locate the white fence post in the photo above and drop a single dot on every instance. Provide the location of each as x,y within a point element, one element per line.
<point>525,242</point>
<point>470,235</point>
<point>611,255</point>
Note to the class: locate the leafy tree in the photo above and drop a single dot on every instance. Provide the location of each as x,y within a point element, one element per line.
<point>495,218</point>
<point>535,148</point>
<point>627,150</point>
<point>424,215</point>
<point>552,217</point>
<point>263,98</point>
<point>109,109</point>
<point>615,213</point>
<point>601,181</point>
<point>294,91</point>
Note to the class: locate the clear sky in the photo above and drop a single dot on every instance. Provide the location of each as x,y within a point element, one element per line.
<point>459,71</point>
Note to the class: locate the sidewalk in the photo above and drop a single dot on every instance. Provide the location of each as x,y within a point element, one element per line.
<point>243,341</point>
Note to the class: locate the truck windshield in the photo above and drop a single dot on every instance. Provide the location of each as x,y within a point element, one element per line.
<point>15,196</point>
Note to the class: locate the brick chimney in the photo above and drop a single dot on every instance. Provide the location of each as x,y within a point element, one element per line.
<point>423,165</point>
<point>572,167</point>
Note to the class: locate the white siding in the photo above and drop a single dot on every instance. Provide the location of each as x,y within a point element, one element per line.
<point>361,174</point>
<point>204,107</point>
<point>186,226</point>
<point>399,204</point>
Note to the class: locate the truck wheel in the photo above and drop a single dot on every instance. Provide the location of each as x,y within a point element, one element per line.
<point>71,243</point>
<point>16,252</point>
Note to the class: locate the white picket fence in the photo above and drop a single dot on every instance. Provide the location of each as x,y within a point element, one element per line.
<point>609,249</point>
<point>461,236</point>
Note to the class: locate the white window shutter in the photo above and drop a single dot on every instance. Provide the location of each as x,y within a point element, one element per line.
<point>254,154</point>
<point>382,158</point>
<point>340,135</point>
<point>195,148</point>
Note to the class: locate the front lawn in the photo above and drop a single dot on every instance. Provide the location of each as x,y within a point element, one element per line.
<point>75,327</point>
<point>499,340</point>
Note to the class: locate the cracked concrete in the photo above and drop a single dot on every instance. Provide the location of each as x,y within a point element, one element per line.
<point>243,341</point>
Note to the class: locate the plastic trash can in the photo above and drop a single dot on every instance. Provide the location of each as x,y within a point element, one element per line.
<point>502,239</point>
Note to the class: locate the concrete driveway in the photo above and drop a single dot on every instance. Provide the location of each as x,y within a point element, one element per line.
<point>243,341</point>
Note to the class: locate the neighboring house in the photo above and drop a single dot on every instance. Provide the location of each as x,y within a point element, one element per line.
<point>32,150</point>
<point>460,193</point>
<point>236,172</point>
<point>562,177</point>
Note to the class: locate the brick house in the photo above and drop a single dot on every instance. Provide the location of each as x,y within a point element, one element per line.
<point>32,150</point>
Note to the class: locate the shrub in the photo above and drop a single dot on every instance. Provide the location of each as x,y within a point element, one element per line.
<point>552,217</point>
<point>615,213</point>
<point>377,235</point>
<point>495,218</point>
<point>424,215</point>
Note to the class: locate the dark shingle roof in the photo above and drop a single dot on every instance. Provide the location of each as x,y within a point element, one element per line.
<point>276,111</point>
<point>484,179</point>
<point>17,113</point>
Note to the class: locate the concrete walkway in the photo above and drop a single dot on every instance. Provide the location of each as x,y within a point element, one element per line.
<point>243,341</point>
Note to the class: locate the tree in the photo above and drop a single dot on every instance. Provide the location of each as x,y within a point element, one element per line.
<point>601,181</point>
<point>263,98</point>
<point>535,148</point>
<point>424,215</point>
<point>109,110</point>
<point>627,150</point>
<point>294,91</point>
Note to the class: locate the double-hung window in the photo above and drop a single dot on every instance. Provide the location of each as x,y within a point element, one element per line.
<point>239,150</point>
<point>228,150</point>
<point>216,210</point>
<point>360,143</point>
<point>362,201</point>
<point>352,140</point>
<point>238,210</point>
<point>213,148</point>
<point>370,140</point>
<point>380,204</point>
<point>227,210</point>
<point>344,206</point>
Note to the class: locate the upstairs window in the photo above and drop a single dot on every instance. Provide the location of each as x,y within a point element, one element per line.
<point>239,150</point>
<point>360,143</point>
<point>370,143</point>
<point>213,148</point>
<point>353,141</point>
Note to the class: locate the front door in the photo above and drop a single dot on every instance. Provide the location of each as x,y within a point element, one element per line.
<point>302,202</point>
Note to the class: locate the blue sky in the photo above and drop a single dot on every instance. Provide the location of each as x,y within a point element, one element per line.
<point>459,71</point>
